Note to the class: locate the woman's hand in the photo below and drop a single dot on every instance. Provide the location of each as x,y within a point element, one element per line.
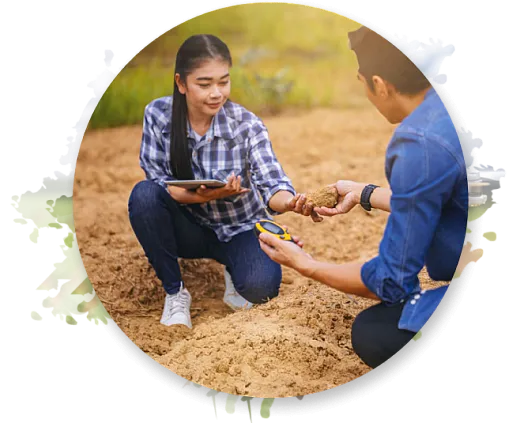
<point>232,187</point>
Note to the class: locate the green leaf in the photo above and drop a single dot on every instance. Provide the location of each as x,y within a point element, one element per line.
<point>62,211</point>
<point>95,310</point>
<point>21,221</point>
<point>36,316</point>
<point>36,207</point>
<point>70,320</point>
<point>475,213</point>
<point>41,209</point>
<point>265,408</point>
<point>45,303</point>
<point>231,401</point>
<point>490,236</point>
<point>34,236</point>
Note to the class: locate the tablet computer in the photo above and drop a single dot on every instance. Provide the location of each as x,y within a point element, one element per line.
<point>195,183</point>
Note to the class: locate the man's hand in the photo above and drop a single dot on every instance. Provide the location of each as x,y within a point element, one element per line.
<point>285,252</point>
<point>297,205</point>
<point>232,187</point>
<point>349,196</point>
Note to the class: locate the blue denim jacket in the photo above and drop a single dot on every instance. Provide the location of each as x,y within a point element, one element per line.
<point>429,208</point>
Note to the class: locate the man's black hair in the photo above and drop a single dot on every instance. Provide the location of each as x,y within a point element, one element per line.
<point>377,56</point>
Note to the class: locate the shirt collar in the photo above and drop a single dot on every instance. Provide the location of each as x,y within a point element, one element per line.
<point>219,126</point>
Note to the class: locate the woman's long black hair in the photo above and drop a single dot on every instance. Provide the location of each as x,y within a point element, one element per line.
<point>193,52</point>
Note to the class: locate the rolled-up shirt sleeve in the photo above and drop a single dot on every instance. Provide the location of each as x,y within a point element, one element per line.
<point>267,174</point>
<point>421,176</point>
<point>153,157</point>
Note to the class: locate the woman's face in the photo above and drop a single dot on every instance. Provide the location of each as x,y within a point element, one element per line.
<point>206,87</point>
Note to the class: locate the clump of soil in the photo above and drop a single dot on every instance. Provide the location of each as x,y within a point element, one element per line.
<point>323,197</point>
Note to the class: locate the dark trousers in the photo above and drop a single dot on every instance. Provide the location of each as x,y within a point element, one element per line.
<point>167,231</point>
<point>375,335</point>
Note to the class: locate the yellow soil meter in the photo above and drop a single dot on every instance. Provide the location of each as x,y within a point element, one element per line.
<point>272,228</point>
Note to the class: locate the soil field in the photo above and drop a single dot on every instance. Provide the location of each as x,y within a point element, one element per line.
<point>296,344</point>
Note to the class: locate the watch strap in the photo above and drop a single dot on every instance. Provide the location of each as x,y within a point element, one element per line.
<point>365,196</point>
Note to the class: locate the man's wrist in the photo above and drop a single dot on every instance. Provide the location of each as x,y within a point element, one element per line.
<point>366,195</point>
<point>307,267</point>
<point>358,191</point>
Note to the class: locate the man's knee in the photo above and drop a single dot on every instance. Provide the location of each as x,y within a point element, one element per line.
<point>376,336</point>
<point>365,341</point>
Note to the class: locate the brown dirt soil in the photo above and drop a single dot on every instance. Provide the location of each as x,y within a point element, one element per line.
<point>296,344</point>
<point>323,197</point>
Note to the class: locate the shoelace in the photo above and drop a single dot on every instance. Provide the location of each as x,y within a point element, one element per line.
<point>178,303</point>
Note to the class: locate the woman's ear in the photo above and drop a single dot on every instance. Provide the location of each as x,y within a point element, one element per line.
<point>180,84</point>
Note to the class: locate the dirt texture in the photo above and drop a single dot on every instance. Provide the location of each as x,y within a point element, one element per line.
<point>323,197</point>
<point>296,344</point>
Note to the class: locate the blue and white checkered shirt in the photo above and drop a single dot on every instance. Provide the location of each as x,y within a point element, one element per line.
<point>237,141</point>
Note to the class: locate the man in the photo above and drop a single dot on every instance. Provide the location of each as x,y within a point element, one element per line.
<point>427,201</point>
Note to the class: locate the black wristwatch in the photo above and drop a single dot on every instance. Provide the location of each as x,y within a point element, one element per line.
<point>365,196</point>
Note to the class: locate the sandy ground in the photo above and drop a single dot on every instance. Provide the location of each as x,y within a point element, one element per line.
<point>298,343</point>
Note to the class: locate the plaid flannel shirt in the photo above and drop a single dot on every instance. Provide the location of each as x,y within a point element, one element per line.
<point>237,141</point>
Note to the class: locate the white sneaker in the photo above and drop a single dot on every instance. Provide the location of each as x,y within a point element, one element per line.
<point>177,309</point>
<point>231,297</point>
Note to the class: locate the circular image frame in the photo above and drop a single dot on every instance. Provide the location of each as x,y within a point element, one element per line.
<point>353,390</point>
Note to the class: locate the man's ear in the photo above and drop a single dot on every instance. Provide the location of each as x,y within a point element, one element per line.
<point>179,83</point>
<point>381,87</point>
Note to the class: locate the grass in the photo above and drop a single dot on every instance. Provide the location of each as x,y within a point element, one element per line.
<point>274,47</point>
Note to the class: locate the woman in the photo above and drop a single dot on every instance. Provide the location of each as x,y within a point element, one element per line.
<point>427,201</point>
<point>200,134</point>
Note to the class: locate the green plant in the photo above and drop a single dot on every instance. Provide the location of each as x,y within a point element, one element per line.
<point>70,292</point>
<point>231,400</point>
<point>417,336</point>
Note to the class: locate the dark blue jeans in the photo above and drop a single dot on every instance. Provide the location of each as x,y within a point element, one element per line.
<point>376,336</point>
<point>167,231</point>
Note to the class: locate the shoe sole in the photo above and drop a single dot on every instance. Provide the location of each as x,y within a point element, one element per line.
<point>190,326</point>
<point>233,307</point>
